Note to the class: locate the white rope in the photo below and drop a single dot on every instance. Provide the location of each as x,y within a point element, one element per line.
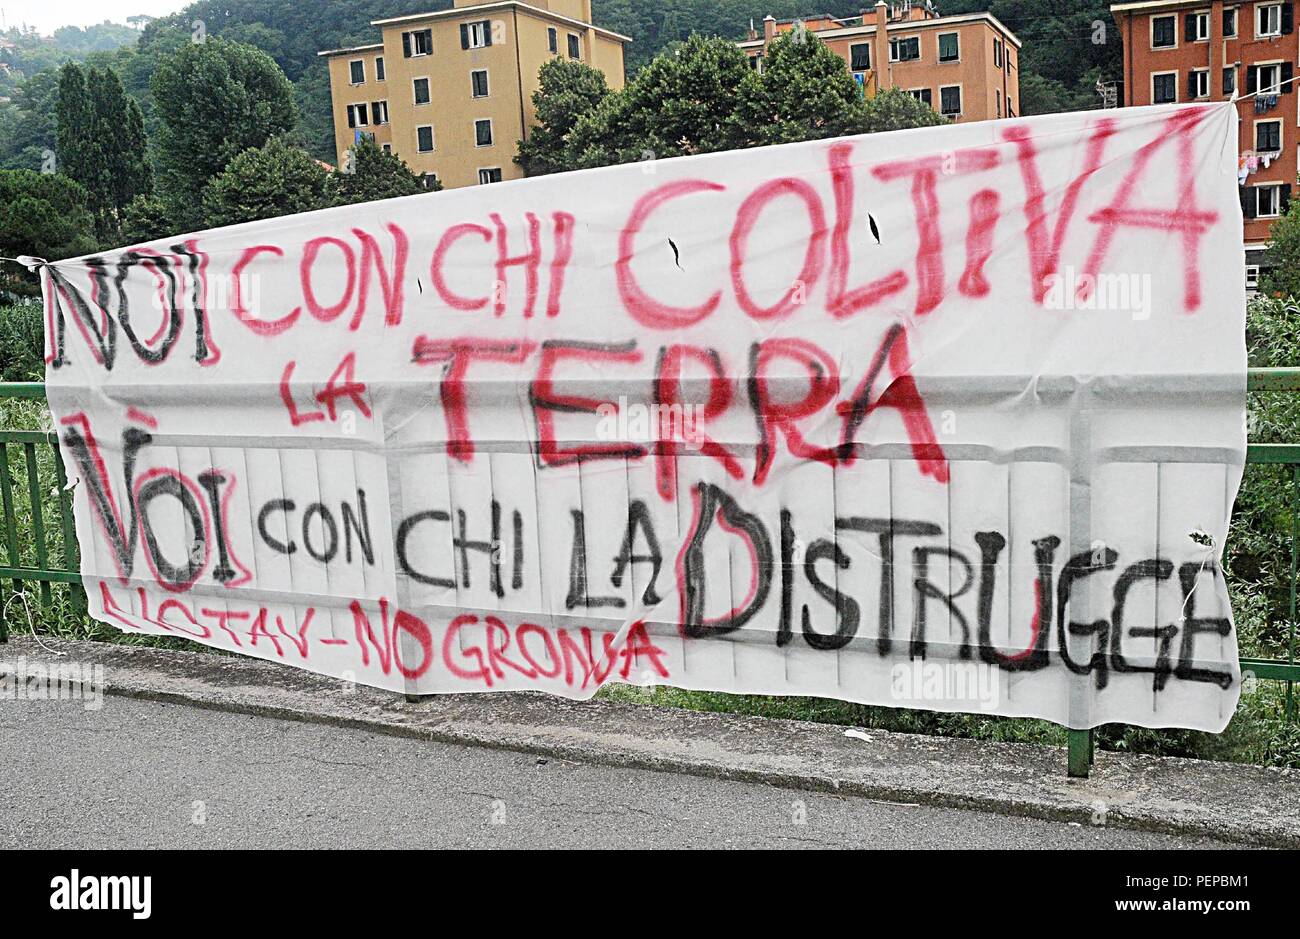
<point>31,620</point>
<point>1270,90</point>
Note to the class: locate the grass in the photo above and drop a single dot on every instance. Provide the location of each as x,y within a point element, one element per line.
<point>1258,569</point>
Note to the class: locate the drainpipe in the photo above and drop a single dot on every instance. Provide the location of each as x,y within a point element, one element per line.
<point>884,74</point>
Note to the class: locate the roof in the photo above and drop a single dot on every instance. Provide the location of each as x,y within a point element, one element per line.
<point>1152,5</point>
<point>868,29</point>
<point>352,49</point>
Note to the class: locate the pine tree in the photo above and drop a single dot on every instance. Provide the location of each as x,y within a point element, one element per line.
<point>119,127</point>
<point>77,153</point>
<point>101,143</point>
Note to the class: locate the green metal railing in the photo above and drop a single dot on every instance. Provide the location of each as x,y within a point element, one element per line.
<point>30,558</point>
<point>29,550</point>
<point>1258,380</point>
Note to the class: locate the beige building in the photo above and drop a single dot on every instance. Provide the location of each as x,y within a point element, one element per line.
<point>451,92</point>
<point>966,66</point>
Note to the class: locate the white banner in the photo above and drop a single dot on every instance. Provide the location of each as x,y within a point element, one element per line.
<point>948,418</point>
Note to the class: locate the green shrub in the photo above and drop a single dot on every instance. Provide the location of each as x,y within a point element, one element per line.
<point>22,350</point>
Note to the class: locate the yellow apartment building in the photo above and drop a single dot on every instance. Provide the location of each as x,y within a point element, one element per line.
<point>965,66</point>
<point>451,92</point>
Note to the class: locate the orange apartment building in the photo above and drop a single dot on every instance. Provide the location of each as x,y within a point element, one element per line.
<point>1185,51</point>
<point>964,66</point>
<point>451,92</point>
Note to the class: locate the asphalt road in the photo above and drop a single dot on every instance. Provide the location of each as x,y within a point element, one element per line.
<point>141,774</point>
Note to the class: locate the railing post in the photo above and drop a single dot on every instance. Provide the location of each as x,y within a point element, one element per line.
<point>1295,562</point>
<point>1081,542</point>
<point>1080,753</point>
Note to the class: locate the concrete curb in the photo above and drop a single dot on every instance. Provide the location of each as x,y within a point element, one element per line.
<point>1247,804</point>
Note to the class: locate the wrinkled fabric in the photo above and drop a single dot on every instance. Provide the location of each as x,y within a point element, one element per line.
<point>948,418</point>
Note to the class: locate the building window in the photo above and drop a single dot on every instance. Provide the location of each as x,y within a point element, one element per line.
<point>552,40</point>
<point>379,112</point>
<point>476,35</point>
<point>950,101</point>
<point>419,42</point>
<point>1268,20</point>
<point>1230,23</point>
<point>1196,27</point>
<point>1252,276</point>
<point>1268,136</point>
<point>424,138</point>
<point>357,115</point>
<point>478,83</point>
<point>483,133</point>
<point>492,175</point>
<point>1198,83</point>
<point>949,50</point>
<point>860,56</point>
<point>357,72</point>
<point>1266,79</point>
<point>1011,110</point>
<point>923,95</point>
<point>575,47</point>
<point>1269,204</point>
<point>1230,80</point>
<point>997,102</point>
<point>1164,88</point>
<point>997,53</point>
<point>756,63</point>
<point>421,87</point>
<point>388,148</point>
<point>1164,34</point>
<point>905,50</point>
<point>379,69</point>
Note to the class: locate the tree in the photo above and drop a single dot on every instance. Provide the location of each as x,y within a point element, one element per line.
<point>216,99</point>
<point>32,132</point>
<point>315,112</point>
<point>119,128</point>
<point>803,93</point>
<point>77,150</point>
<point>893,109</point>
<point>1039,95</point>
<point>1281,276</point>
<point>145,219</point>
<point>568,90</point>
<point>276,179</point>
<point>101,143</point>
<point>43,215</point>
<point>370,174</point>
<point>683,102</point>
<point>702,97</point>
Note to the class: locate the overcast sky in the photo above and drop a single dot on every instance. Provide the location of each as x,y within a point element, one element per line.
<point>48,15</point>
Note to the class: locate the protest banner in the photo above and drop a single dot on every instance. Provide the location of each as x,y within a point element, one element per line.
<point>948,418</point>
